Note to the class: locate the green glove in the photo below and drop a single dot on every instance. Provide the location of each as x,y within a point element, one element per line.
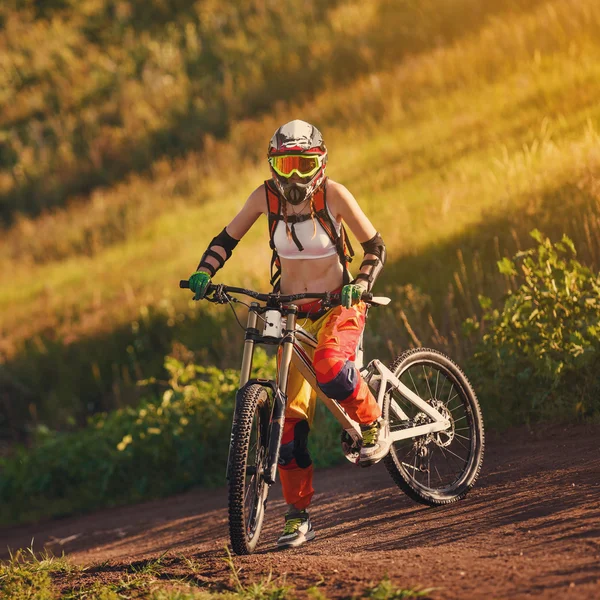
<point>351,294</point>
<point>199,283</point>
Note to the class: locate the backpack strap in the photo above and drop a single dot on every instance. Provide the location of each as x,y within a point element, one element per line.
<point>348,253</point>
<point>274,216</point>
<point>340,241</point>
<point>273,210</point>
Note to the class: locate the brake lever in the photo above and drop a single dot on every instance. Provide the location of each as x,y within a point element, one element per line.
<point>220,295</point>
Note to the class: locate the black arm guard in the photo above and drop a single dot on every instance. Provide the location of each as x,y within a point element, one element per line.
<point>376,247</point>
<point>223,240</point>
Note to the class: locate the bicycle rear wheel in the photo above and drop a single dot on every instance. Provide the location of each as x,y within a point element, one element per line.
<point>248,455</point>
<point>436,468</point>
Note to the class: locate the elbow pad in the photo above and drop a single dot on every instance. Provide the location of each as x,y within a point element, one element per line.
<point>376,247</point>
<point>223,240</point>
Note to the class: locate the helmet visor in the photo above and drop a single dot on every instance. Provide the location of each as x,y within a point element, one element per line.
<point>305,165</point>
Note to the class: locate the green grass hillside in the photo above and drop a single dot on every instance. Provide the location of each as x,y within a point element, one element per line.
<point>94,90</point>
<point>457,135</point>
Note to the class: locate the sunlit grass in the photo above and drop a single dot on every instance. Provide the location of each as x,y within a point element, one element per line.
<point>26,575</point>
<point>422,179</point>
<point>439,150</point>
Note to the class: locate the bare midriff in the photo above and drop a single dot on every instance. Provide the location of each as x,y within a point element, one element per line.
<point>314,275</point>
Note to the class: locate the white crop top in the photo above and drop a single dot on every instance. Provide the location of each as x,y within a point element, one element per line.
<point>319,246</point>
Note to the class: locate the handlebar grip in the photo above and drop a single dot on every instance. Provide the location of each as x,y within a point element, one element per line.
<point>184,284</point>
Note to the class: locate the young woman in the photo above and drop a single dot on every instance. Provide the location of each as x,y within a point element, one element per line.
<point>311,254</point>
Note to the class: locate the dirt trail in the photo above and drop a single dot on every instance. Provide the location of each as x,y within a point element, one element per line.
<point>530,528</point>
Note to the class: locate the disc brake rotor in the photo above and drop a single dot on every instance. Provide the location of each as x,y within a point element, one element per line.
<point>440,438</point>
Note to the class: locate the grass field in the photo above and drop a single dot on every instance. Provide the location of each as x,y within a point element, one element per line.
<point>44,576</point>
<point>455,153</point>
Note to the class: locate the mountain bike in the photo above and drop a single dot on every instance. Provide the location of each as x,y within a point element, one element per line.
<point>436,427</point>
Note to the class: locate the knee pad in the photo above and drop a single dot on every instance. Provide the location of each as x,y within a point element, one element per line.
<point>286,454</point>
<point>297,448</point>
<point>301,453</point>
<point>343,384</point>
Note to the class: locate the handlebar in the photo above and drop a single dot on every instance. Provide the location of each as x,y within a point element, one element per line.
<point>331,298</point>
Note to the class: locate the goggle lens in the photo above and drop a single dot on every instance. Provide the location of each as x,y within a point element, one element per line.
<point>286,165</point>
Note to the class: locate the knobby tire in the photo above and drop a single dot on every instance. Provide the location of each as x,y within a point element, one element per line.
<point>246,518</point>
<point>406,476</point>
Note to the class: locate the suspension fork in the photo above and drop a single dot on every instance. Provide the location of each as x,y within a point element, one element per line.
<point>248,354</point>
<point>278,387</point>
<point>280,399</point>
<point>247,357</point>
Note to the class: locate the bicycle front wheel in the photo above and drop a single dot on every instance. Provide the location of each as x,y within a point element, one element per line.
<point>248,456</point>
<point>436,468</point>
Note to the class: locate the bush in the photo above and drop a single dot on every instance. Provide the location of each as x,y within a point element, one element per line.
<point>539,356</point>
<point>170,442</point>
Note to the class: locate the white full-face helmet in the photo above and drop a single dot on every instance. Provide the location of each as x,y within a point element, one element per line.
<point>297,148</point>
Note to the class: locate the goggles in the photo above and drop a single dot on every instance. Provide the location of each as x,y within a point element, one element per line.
<point>302,164</point>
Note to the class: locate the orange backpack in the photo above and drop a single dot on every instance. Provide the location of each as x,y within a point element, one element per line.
<point>340,241</point>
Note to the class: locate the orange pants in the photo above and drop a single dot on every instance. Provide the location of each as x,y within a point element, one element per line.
<point>338,333</point>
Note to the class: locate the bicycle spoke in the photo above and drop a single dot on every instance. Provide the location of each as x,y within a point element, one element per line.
<point>446,458</point>
<point>450,399</point>
<point>461,444</point>
<point>429,470</point>
<point>455,408</point>
<point>438,474</point>
<point>444,379</point>
<point>427,382</point>
<point>250,485</point>
<point>414,385</point>
<point>449,393</point>
<point>454,454</point>
<point>448,476</point>
<point>437,376</point>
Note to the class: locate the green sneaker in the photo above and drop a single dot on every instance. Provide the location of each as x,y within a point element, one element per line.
<point>376,442</point>
<point>297,530</point>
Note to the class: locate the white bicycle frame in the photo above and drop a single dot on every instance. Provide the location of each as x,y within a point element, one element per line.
<point>303,363</point>
<point>275,326</point>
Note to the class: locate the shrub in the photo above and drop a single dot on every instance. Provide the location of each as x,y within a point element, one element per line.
<point>175,438</point>
<point>167,443</point>
<point>539,356</point>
